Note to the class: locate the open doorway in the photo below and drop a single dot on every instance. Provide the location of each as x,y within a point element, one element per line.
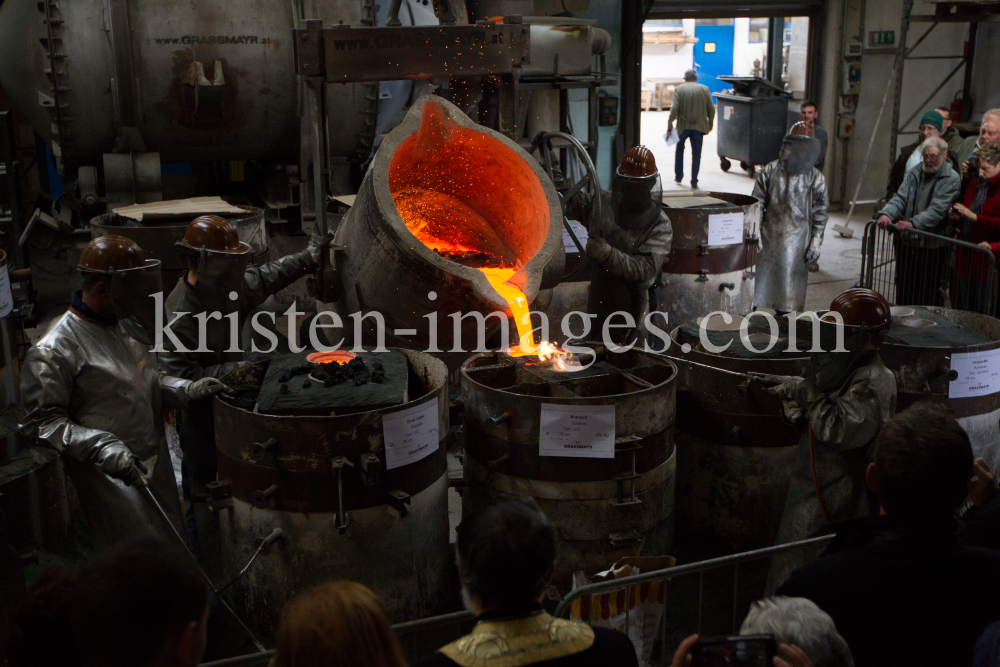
<point>714,48</point>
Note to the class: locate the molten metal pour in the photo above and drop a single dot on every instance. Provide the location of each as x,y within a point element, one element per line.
<point>451,227</point>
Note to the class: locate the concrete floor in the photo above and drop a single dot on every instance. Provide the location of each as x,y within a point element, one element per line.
<point>840,262</point>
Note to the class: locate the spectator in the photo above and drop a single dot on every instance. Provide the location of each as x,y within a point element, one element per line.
<point>336,624</point>
<point>805,634</point>
<point>981,522</point>
<point>901,587</point>
<point>141,603</point>
<point>922,202</point>
<point>506,559</point>
<point>977,220</point>
<point>42,631</point>
<point>807,114</point>
<point>948,131</point>
<point>694,113</point>
<point>987,653</point>
<point>989,133</point>
<point>931,125</point>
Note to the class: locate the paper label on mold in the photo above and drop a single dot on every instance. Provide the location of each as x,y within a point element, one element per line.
<point>725,228</point>
<point>580,431</point>
<point>978,374</point>
<point>410,435</point>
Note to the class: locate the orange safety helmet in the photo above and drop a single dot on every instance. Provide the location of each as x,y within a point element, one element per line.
<point>211,232</point>
<point>111,253</point>
<point>638,163</point>
<point>862,307</point>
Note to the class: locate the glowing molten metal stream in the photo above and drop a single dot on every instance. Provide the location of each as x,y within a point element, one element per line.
<point>469,198</point>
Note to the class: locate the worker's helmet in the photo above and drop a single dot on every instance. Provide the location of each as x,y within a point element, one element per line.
<point>134,282</point>
<point>803,129</point>
<point>638,163</point>
<point>215,252</point>
<point>636,190</point>
<point>800,149</point>
<point>111,253</point>
<point>861,307</point>
<point>211,232</point>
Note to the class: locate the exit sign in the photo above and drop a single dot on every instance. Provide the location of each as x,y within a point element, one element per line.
<point>881,37</point>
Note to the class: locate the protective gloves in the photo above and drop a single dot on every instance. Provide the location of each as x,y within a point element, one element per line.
<point>116,460</point>
<point>812,253</point>
<point>318,243</point>
<point>206,388</point>
<point>598,249</point>
<point>803,392</point>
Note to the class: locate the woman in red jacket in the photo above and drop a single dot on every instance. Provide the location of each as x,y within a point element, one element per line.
<point>977,220</point>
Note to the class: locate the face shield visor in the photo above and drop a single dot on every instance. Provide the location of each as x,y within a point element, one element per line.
<point>636,199</point>
<point>220,273</point>
<point>132,295</point>
<point>844,350</point>
<point>799,154</point>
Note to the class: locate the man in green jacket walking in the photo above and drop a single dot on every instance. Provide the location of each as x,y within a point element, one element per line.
<point>694,113</point>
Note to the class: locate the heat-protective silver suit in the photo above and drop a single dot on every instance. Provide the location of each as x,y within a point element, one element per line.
<point>845,414</point>
<point>94,393</point>
<point>638,237</point>
<point>794,218</point>
<point>219,274</point>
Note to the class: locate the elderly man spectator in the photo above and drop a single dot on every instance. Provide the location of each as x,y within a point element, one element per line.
<point>806,635</point>
<point>694,112</point>
<point>931,125</point>
<point>506,559</point>
<point>989,133</point>
<point>901,587</point>
<point>922,203</point>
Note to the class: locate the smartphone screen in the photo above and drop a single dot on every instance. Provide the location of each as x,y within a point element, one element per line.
<point>740,651</point>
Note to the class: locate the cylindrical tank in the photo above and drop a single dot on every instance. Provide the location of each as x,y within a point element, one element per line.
<point>484,175</point>
<point>602,508</point>
<point>157,238</point>
<point>921,350</point>
<point>10,368</point>
<point>201,81</point>
<point>281,472</point>
<point>734,449</point>
<point>712,258</point>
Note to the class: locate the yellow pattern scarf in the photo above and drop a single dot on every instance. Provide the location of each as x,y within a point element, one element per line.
<point>520,641</point>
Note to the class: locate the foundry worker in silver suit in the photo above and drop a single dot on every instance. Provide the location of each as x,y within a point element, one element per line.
<point>219,269</point>
<point>92,391</point>
<point>841,408</point>
<point>794,200</point>
<point>634,241</point>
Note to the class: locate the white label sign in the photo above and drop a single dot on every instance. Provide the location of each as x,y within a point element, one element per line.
<point>581,233</point>
<point>6,298</point>
<point>725,228</point>
<point>410,435</point>
<point>727,111</point>
<point>582,431</point>
<point>978,374</point>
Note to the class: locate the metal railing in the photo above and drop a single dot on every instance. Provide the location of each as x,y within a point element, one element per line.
<point>917,268</point>
<point>458,619</point>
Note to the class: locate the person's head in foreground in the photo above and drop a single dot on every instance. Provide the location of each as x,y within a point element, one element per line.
<point>336,624</point>
<point>989,162</point>
<point>506,556</point>
<point>923,463</point>
<point>141,603</point>
<point>805,634</point>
